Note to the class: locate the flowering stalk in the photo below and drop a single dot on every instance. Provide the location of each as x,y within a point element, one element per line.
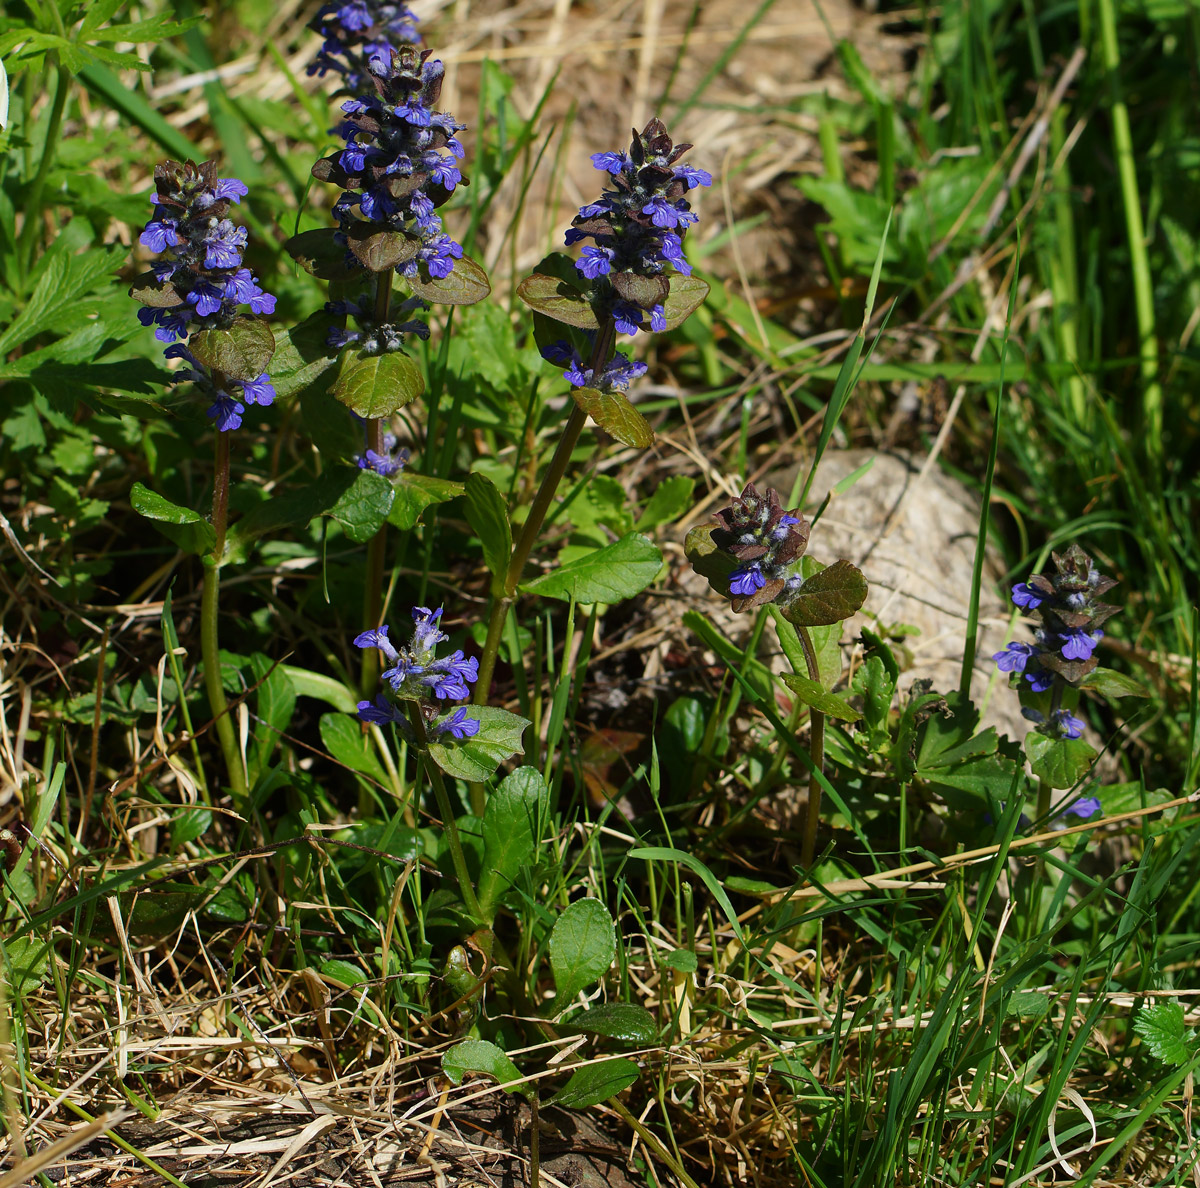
<point>418,683</point>
<point>193,297</point>
<point>210,649</point>
<point>601,353</point>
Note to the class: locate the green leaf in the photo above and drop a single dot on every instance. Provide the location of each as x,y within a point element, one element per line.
<point>617,571</point>
<point>558,299</point>
<point>189,530</point>
<point>614,414</point>
<point>593,1083</point>
<point>275,702</point>
<point>343,737</point>
<point>480,1056</point>
<point>813,694</point>
<point>980,780</point>
<point>241,351</point>
<point>1061,762</point>
<point>616,1020</point>
<point>477,758</point>
<point>304,362</point>
<point>345,972</point>
<point>1113,684</point>
<point>511,824</point>
<point>1164,1031</point>
<point>24,963</point>
<point>466,285</point>
<point>320,254</point>
<point>363,508</point>
<point>293,509</point>
<point>487,514</point>
<point>684,960</point>
<point>416,492</point>
<point>320,686</point>
<point>380,250</point>
<point>377,386</point>
<point>830,596</point>
<point>876,686</point>
<point>686,296</point>
<point>583,945</point>
<point>670,500</point>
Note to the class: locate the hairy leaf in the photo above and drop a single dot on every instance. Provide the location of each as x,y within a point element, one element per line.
<point>813,694</point>
<point>241,350</point>
<point>1061,762</point>
<point>830,596</point>
<point>477,758</point>
<point>557,299</point>
<point>582,947</point>
<point>466,285</point>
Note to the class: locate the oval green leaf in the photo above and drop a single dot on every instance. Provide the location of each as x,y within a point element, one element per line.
<point>594,1083</point>
<point>241,350</point>
<point>477,758</point>
<point>1060,762</point>
<point>624,1021</point>
<point>616,416</point>
<point>377,385</point>
<point>480,1056</point>
<point>416,492</point>
<point>813,694</point>
<point>487,514</point>
<point>187,529</point>
<point>583,945</point>
<point>617,571</point>
<point>320,254</point>
<point>686,296</point>
<point>364,507</point>
<point>829,596</point>
<point>558,300</point>
<point>511,831</point>
<point>466,285</point>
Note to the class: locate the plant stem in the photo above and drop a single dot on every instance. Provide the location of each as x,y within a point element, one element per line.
<point>33,199</point>
<point>601,353</point>
<point>816,748</point>
<point>210,651</point>
<point>457,857</point>
<point>377,546</point>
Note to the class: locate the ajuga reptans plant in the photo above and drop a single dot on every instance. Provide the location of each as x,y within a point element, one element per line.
<point>205,303</point>
<point>754,554</point>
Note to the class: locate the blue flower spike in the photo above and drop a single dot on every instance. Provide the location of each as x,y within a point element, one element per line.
<point>1069,612</point>
<point>201,283</point>
<point>415,672</point>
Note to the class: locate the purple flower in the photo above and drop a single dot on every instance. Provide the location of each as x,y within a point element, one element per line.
<point>377,638</point>
<point>693,176</point>
<point>427,631</point>
<point>159,235</point>
<point>449,677</point>
<point>226,412</point>
<point>612,162</point>
<point>1070,726</point>
<point>594,262</point>
<point>223,246</point>
<point>747,579</point>
<point>1078,644</point>
<point>381,713</point>
<point>258,391</point>
<point>1084,807</point>
<point>1014,657</point>
<point>458,725</point>
<point>1025,596</point>
<point>1040,679</point>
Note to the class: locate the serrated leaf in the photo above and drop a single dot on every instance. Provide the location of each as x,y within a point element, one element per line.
<point>616,1020</point>
<point>321,255</point>
<point>981,780</point>
<point>594,1083</point>
<point>481,1056</point>
<point>582,947</point>
<point>558,300</point>
<point>1060,762</point>
<point>187,529</point>
<point>686,296</point>
<point>617,571</point>
<point>511,823</point>
<point>416,492</point>
<point>466,285</point>
<point>1113,684</point>
<point>241,350</point>
<point>376,386</point>
<point>616,416</point>
<point>477,758</point>
<point>813,694</point>
<point>830,596</point>
<point>876,686</point>
<point>487,514</point>
<point>363,508</point>
<point>1164,1031</point>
